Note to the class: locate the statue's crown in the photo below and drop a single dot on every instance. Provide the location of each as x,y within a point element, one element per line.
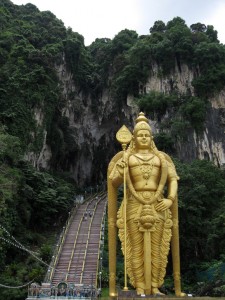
<point>142,123</point>
<point>141,117</point>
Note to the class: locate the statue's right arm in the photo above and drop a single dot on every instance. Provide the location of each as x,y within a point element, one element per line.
<point>116,176</point>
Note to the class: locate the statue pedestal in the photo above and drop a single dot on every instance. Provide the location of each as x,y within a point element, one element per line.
<point>132,295</point>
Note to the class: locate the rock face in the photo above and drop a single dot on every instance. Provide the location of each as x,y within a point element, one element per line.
<point>211,143</point>
<point>94,123</point>
<point>93,126</point>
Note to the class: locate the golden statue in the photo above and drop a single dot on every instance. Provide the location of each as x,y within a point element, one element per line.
<point>148,215</point>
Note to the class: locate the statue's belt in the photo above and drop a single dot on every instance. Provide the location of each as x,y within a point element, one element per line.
<point>145,195</point>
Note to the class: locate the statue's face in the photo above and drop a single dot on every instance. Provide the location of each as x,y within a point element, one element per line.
<point>143,139</point>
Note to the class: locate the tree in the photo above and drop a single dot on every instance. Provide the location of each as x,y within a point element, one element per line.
<point>123,41</point>
<point>212,33</point>
<point>201,201</point>
<point>176,22</point>
<point>198,27</point>
<point>159,26</point>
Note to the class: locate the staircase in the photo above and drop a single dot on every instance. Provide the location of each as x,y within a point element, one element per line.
<point>78,259</point>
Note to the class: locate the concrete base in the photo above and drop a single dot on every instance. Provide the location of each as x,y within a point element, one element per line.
<point>171,298</point>
<point>131,295</point>
<point>138,298</point>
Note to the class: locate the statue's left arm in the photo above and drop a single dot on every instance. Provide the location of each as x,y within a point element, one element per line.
<point>172,187</point>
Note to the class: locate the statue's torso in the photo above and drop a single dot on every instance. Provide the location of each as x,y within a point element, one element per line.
<point>144,171</point>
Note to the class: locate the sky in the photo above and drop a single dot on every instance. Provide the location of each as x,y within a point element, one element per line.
<point>106,18</point>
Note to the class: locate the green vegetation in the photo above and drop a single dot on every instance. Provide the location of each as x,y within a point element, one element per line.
<point>128,61</point>
<point>31,203</point>
<point>187,111</point>
<point>34,42</point>
<point>202,207</point>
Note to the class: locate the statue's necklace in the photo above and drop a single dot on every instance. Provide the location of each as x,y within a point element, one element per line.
<point>146,166</point>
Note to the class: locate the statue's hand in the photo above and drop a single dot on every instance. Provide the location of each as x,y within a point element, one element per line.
<point>121,166</point>
<point>163,205</point>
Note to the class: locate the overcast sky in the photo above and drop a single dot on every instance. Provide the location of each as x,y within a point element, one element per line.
<point>105,18</point>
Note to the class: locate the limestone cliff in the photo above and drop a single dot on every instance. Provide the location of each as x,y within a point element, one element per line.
<point>93,125</point>
<point>210,144</point>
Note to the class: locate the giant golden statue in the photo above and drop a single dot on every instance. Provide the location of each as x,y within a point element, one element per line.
<point>148,215</point>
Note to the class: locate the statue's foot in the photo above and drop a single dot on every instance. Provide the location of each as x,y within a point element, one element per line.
<point>181,294</point>
<point>140,291</point>
<point>156,292</point>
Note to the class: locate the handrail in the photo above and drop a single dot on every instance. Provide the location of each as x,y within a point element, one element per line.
<point>72,253</point>
<point>74,244</point>
<point>62,236</point>
<point>89,230</point>
<point>100,248</point>
<point>99,244</point>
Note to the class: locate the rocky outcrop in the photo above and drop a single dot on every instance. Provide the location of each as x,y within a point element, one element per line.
<point>93,124</point>
<point>180,80</point>
<point>211,143</point>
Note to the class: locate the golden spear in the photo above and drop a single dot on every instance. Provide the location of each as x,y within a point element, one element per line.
<point>124,137</point>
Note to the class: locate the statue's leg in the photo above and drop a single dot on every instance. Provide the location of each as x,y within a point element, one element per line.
<point>137,263</point>
<point>160,248</point>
